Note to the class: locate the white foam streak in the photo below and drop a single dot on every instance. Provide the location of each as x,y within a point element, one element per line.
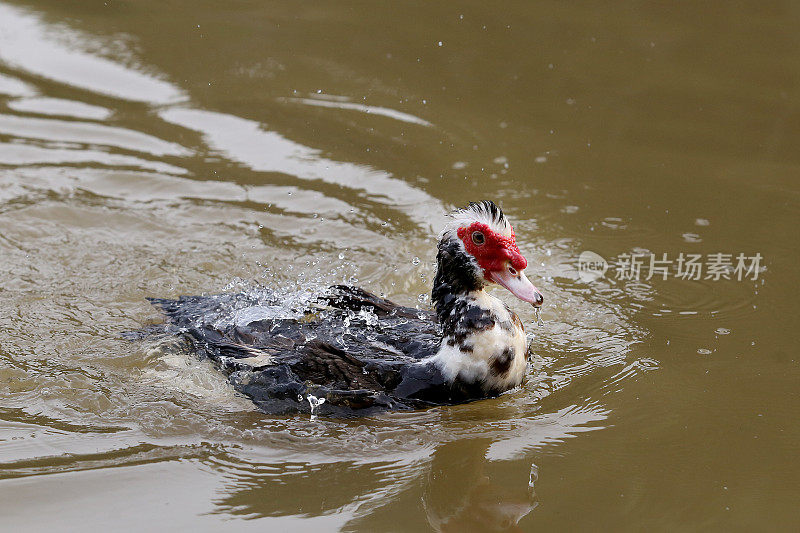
<point>89,133</point>
<point>59,106</point>
<point>363,108</point>
<point>20,154</point>
<point>13,87</point>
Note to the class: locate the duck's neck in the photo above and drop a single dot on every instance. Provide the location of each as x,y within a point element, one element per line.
<point>455,279</point>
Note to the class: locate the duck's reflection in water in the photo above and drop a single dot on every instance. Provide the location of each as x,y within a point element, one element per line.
<point>457,489</point>
<point>298,488</point>
<point>461,494</point>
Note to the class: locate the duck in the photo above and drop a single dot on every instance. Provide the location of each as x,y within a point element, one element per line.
<point>352,353</point>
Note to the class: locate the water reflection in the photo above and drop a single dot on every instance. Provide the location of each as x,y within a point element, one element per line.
<point>303,489</point>
<point>23,155</point>
<point>54,52</point>
<point>438,462</point>
<point>88,133</point>
<point>460,494</point>
<point>455,487</point>
<point>32,46</point>
<point>248,142</point>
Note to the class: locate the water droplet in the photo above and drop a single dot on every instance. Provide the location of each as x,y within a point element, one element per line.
<point>341,255</point>
<point>415,261</point>
<point>722,331</point>
<point>537,312</point>
<point>534,477</point>
<point>704,351</point>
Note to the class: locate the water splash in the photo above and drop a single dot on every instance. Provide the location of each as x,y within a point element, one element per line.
<point>368,316</point>
<point>533,478</point>
<point>314,402</point>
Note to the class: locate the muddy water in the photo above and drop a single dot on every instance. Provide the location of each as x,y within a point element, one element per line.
<point>162,148</point>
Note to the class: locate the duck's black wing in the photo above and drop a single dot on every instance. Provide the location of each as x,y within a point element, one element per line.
<point>351,348</point>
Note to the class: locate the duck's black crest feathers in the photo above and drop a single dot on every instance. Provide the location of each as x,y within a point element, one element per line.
<point>485,211</point>
<point>489,209</point>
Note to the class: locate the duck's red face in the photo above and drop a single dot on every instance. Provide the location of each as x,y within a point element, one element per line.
<point>500,259</point>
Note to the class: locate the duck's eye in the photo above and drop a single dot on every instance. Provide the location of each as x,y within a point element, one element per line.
<point>512,270</point>
<point>478,238</point>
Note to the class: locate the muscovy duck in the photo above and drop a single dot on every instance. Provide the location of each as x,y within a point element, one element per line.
<point>353,352</point>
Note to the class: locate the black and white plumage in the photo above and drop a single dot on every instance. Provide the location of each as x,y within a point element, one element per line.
<point>354,353</point>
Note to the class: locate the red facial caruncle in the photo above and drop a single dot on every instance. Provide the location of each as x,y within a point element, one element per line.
<point>491,249</point>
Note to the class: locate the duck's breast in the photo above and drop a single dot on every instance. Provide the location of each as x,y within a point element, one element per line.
<point>487,345</point>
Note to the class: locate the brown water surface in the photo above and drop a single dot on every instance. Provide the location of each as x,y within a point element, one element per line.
<point>163,148</point>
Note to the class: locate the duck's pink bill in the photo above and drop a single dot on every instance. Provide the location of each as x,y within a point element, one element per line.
<point>519,286</point>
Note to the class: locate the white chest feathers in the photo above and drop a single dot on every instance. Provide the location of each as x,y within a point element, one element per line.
<point>484,342</point>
